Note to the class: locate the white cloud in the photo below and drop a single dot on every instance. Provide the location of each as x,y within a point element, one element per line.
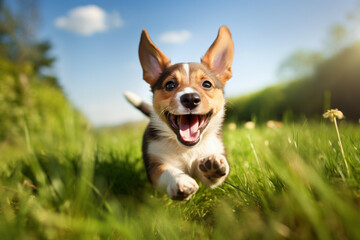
<point>87,20</point>
<point>115,20</point>
<point>175,37</point>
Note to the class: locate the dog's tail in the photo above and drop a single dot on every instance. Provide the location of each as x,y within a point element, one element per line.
<point>135,100</point>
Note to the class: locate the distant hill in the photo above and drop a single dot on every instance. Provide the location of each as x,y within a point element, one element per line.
<point>124,127</point>
<point>334,84</point>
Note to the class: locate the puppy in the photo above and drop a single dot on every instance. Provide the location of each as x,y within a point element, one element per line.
<point>183,140</point>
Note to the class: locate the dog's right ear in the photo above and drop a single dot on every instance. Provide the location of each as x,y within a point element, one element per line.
<point>153,61</point>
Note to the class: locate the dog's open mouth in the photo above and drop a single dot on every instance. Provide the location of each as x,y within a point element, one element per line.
<point>188,128</point>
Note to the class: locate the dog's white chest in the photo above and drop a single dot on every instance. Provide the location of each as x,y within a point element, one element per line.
<point>170,152</point>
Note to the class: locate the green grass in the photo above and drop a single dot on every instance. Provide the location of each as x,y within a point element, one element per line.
<point>284,183</point>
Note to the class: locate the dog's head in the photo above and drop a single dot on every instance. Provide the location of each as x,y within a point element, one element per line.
<point>188,95</point>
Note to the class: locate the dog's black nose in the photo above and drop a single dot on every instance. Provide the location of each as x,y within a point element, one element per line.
<point>190,100</point>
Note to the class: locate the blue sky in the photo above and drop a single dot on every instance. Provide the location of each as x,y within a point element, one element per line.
<point>96,43</point>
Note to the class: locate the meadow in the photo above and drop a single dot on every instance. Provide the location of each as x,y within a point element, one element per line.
<point>285,183</point>
<point>62,179</point>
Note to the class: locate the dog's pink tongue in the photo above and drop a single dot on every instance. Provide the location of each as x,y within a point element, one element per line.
<point>189,128</point>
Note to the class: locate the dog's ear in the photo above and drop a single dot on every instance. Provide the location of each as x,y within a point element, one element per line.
<point>220,55</point>
<point>153,61</point>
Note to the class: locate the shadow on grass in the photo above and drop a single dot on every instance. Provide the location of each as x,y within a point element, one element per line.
<point>110,175</point>
<point>120,175</point>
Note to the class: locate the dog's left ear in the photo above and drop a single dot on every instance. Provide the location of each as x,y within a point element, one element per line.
<point>220,55</point>
<point>153,61</point>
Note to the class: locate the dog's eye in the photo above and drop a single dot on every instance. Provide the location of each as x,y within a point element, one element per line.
<point>170,85</point>
<point>207,84</point>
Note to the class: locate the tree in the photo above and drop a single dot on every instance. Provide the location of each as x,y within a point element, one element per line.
<point>18,42</point>
<point>338,37</point>
<point>300,64</point>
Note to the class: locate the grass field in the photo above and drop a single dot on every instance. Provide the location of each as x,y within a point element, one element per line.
<point>289,182</point>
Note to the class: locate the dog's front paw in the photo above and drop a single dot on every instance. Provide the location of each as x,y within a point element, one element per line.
<point>214,170</point>
<point>182,188</point>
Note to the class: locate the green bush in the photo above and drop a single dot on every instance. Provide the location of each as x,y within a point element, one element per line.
<point>28,104</point>
<point>335,84</point>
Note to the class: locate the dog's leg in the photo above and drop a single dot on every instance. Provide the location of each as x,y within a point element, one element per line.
<point>177,184</point>
<point>213,170</point>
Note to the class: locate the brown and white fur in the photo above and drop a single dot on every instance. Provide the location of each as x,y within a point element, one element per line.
<point>183,140</point>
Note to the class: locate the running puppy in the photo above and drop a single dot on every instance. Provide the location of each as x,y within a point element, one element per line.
<point>183,140</point>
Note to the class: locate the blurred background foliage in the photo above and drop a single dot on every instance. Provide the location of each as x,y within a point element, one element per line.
<point>31,99</point>
<point>310,83</point>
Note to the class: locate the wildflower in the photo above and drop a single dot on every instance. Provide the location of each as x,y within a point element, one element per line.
<point>274,124</point>
<point>249,125</point>
<point>333,113</point>
<point>232,126</point>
